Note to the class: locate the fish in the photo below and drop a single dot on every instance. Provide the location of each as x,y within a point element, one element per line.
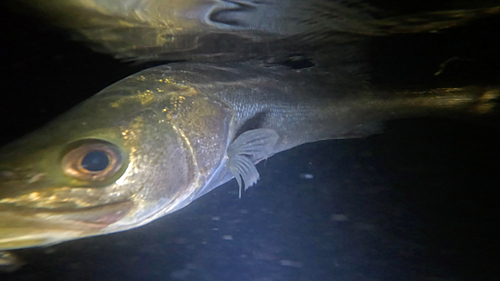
<point>157,140</point>
<point>154,142</point>
<point>215,31</point>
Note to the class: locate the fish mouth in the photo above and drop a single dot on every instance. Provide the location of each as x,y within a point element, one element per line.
<point>22,227</point>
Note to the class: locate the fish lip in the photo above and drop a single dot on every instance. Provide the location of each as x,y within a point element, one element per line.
<point>118,209</point>
<point>22,227</point>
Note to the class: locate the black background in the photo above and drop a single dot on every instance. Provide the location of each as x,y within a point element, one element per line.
<point>419,202</point>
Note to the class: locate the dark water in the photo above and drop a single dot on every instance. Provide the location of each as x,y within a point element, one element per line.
<point>419,202</point>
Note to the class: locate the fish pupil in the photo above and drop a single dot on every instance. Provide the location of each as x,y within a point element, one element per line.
<point>95,161</point>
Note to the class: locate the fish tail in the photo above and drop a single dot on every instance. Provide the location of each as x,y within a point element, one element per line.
<point>487,101</point>
<point>474,100</point>
<point>464,102</point>
<point>358,17</point>
<point>430,21</point>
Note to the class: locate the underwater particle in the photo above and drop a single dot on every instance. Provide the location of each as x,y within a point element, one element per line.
<point>50,251</point>
<point>216,218</point>
<point>227,237</point>
<point>339,217</point>
<point>291,263</point>
<point>9,262</point>
<point>306,176</point>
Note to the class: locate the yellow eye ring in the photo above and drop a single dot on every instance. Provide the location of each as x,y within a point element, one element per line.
<point>73,159</point>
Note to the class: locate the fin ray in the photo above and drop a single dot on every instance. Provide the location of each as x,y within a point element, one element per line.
<point>248,149</point>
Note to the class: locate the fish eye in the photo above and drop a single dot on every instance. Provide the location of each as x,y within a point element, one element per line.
<point>94,160</point>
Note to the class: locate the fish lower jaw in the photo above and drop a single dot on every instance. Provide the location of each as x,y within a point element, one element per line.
<point>33,240</point>
<point>24,227</point>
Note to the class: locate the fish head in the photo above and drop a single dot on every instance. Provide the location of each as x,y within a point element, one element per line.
<point>117,161</point>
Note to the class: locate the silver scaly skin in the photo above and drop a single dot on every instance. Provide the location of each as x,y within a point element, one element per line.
<point>167,133</point>
<point>153,142</point>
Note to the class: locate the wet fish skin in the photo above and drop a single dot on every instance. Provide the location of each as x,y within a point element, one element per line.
<point>202,30</point>
<point>209,30</point>
<point>168,130</point>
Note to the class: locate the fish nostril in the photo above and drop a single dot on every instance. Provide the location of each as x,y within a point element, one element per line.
<point>36,177</point>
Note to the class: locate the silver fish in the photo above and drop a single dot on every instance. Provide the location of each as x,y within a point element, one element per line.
<point>153,142</point>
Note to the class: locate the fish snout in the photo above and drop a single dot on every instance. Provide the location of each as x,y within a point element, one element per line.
<point>14,182</point>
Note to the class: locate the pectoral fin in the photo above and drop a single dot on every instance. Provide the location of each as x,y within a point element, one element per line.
<point>248,149</point>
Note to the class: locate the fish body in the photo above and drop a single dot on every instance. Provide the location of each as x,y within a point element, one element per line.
<point>224,30</point>
<point>155,141</point>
